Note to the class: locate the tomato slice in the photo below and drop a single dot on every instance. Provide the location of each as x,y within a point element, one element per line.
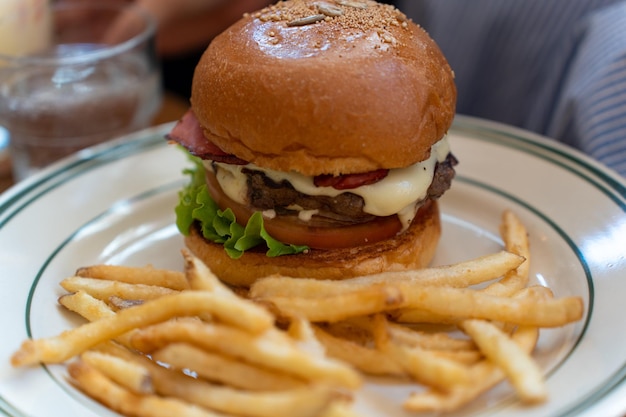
<point>349,181</point>
<point>286,230</point>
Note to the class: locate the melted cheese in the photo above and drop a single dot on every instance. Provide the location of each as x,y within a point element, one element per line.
<point>397,193</point>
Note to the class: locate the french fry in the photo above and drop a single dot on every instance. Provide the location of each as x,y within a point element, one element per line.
<point>146,275</point>
<point>301,330</point>
<point>123,303</point>
<point>440,343</point>
<point>270,349</point>
<point>464,357</point>
<point>367,360</point>
<point>130,375</point>
<point>488,374</point>
<point>338,408</point>
<point>408,316</point>
<point>306,401</point>
<point>515,237</point>
<point>103,289</point>
<point>516,364</point>
<point>200,277</point>
<point>357,329</point>
<point>359,302</point>
<point>98,386</point>
<point>72,342</point>
<point>422,365</point>
<point>533,293</point>
<point>439,340</point>
<point>428,367</point>
<point>92,309</point>
<point>224,369</point>
<point>461,303</point>
<point>485,375</point>
<point>163,342</point>
<point>86,305</point>
<point>462,274</point>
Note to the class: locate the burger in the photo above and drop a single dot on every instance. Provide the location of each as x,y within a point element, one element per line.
<point>318,135</point>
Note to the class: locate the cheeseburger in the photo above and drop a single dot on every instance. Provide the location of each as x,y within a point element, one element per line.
<point>318,131</point>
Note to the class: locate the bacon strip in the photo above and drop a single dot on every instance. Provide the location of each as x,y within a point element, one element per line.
<point>188,133</point>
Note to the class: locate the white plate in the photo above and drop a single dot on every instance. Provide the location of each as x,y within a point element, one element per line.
<point>115,204</point>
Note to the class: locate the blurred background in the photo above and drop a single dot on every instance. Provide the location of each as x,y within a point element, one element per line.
<point>554,67</point>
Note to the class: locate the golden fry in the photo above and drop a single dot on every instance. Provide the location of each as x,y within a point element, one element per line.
<point>86,305</point>
<point>484,376</point>
<point>272,349</point>
<point>224,369</point>
<point>428,367</point>
<point>188,303</point>
<point>304,401</point>
<point>103,289</point>
<point>461,303</point>
<point>297,402</point>
<point>163,343</point>
<point>98,386</point>
<point>200,277</point>
<point>516,364</point>
<point>515,237</point>
<point>307,401</point>
<point>462,274</point>
<point>439,340</point>
<point>147,275</point>
<point>422,365</point>
<point>464,357</point>
<point>302,332</point>
<point>128,374</point>
<point>123,303</point>
<point>338,408</point>
<point>367,360</point>
<point>92,309</point>
<point>359,302</point>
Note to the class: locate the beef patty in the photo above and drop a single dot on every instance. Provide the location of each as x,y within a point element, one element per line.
<point>266,194</point>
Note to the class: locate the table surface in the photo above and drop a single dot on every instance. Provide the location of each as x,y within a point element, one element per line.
<point>172,108</point>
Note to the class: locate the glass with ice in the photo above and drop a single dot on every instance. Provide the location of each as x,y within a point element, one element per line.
<point>94,78</point>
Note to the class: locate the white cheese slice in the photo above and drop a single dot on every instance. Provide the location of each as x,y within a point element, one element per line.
<point>397,193</point>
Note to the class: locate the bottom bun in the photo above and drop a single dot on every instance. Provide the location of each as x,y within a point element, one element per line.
<point>414,248</point>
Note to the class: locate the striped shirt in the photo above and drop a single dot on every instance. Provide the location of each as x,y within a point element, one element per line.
<point>556,67</point>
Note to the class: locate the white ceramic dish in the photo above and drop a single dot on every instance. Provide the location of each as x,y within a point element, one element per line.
<point>114,204</point>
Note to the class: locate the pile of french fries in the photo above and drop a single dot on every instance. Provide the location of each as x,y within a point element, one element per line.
<point>162,343</point>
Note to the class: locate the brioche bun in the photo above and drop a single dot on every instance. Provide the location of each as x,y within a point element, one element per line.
<point>362,91</point>
<point>414,248</point>
<point>322,89</point>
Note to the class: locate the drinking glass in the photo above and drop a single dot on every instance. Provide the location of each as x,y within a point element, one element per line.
<point>94,78</point>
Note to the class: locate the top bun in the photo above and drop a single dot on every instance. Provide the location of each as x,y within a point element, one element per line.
<point>325,87</point>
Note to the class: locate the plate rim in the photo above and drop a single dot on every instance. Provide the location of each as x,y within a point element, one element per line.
<point>581,165</point>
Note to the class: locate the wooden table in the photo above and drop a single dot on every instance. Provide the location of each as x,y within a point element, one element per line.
<point>172,108</point>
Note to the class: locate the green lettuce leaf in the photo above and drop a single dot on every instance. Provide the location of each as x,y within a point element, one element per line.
<point>220,226</point>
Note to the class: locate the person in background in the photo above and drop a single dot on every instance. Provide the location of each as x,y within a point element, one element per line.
<point>185,29</point>
<point>555,67</point>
